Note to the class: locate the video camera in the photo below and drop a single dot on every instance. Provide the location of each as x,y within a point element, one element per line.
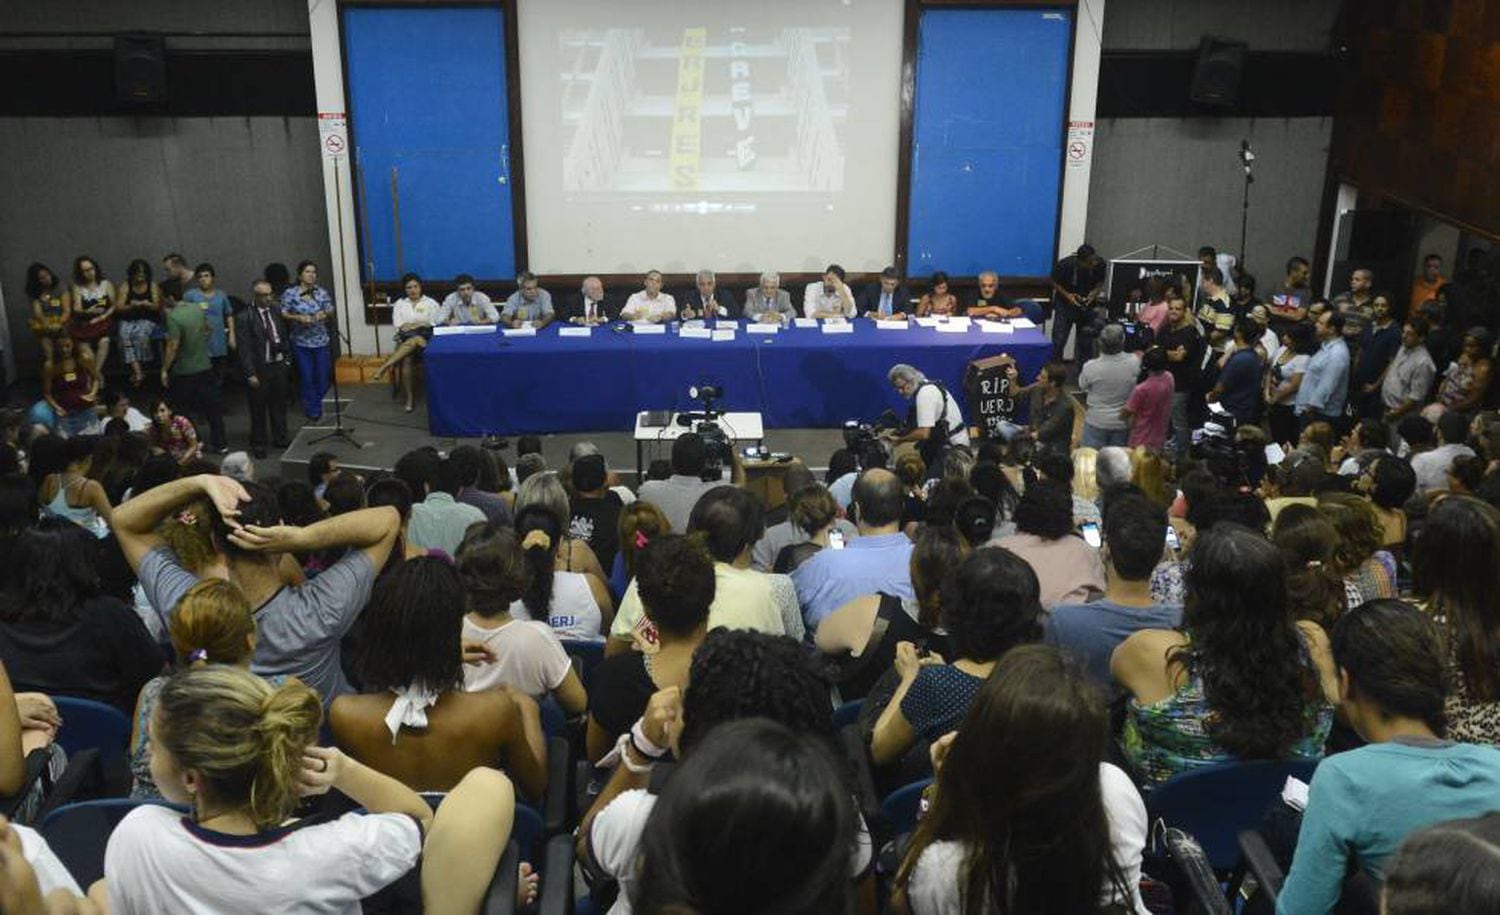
<point>1218,448</point>
<point>863,439</point>
<point>716,450</point>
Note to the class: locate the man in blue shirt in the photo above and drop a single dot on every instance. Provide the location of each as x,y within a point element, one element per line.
<point>529,302</point>
<point>1325,384</point>
<point>1238,388</point>
<point>875,562</point>
<point>1135,532</point>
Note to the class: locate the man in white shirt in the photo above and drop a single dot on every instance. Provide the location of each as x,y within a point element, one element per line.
<point>768,303</point>
<point>465,305</point>
<point>650,304</point>
<point>1431,467</point>
<point>529,304</point>
<point>830,297</point>
<point>932,403</point>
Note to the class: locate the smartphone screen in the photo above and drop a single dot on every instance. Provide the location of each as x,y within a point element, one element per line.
<point>1172,540</point>
<point>1091,535</point>
<point>836,539</point>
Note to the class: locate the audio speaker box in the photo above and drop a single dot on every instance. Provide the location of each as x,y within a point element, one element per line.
<point>140,69</point>
<point>1218,72</point>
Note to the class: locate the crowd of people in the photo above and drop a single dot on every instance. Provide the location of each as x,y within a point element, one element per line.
<point>1050,626</point>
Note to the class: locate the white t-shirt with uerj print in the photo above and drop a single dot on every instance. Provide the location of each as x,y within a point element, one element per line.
<point>159,862</point>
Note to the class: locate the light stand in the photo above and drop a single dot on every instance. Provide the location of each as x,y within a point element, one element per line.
<point>339,431</point>
<point>1247,157</point>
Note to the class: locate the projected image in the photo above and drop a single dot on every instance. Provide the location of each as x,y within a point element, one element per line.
<point>699,110</point>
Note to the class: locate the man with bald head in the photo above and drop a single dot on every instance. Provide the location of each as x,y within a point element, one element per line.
<point>875,562</point>
<point>591,306</point>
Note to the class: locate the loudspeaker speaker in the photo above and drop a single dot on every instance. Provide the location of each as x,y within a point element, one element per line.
<point>140,69</point>
<point>1217,72</point>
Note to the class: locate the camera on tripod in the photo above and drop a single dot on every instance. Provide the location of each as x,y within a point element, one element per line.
<point>863,439</point>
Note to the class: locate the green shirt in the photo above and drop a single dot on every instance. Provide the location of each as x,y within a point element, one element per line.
<point>188,327</point>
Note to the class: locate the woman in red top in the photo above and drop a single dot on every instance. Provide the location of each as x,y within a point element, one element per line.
<point>174,434</point>
<point>70,385</point>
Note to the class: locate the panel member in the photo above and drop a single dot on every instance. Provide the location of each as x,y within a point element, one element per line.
<point>707,300</point>
<point>885,300</point>
<point>990,302</point>
<point>830,297</point>
<point>650,304</point>
<point>591,306</point>
<point>466,305</point>
<point>768,303</point>
<point>529,304</point>
<point>265,355</point>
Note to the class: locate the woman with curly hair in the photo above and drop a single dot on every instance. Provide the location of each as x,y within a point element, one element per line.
<point>1456,572</point>
<point>1308,543</point>
<point>1369,571</point>
<point>1068,568</point>
<point>1024,807</point>
<point>91,309</point>
<point>1240,679</point>
<point>989,604</point>
<point>49,308</point>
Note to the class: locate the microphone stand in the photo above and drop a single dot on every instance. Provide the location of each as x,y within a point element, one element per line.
<point>1246,157</point>
<point>339,431</point>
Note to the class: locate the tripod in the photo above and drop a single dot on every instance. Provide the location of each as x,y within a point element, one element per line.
<point>339,430</point>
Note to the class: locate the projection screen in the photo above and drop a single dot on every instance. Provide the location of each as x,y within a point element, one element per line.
<point>733,136</point>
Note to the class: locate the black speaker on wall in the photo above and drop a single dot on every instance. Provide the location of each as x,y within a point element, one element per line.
<point>1217,72</point>
<point>140,69</point>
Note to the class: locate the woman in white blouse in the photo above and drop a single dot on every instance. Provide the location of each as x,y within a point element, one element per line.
<point>413,318</point>
<point>1024,805</point>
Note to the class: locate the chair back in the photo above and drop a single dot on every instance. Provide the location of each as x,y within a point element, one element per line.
<point>1214,803</point>
<point>93,725</point>
<point>899,809</point>
<point>588,655</point>
<point>847,713</point>
<point>78,833</point>
<point>554,719</point>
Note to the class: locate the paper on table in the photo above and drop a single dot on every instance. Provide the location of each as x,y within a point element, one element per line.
<point>965,320</point>
<point>758,328</point>
<point>645,328</point>
<point>456,329</point>
<point>928,322</point>
<point>952,328</point>
<point>806,322</point>
<point>696,333</point>
<point>1023,323</point>
<point>520,331</point>
<point>996,327</point>
<point>575,331</point>
<point>891,325</point>
<point>723,333</point>
<point>837,327</point>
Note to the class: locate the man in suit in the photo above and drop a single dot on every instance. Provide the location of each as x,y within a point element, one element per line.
<point>885,300</point>
<point>768,303</point>
<point>265,356</point>
<point>706,300</point>
<point>591,306</point>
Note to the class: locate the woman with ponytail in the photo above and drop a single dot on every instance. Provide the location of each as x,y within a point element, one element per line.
<point>573,603</point>
<point>240,754</point>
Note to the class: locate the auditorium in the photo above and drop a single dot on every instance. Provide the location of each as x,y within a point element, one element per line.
<point>927,457</point>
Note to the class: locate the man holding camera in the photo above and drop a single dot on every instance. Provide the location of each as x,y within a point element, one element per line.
<point>935,421</point>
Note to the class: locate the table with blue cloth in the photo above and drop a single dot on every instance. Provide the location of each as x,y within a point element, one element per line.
<point>480,384</point>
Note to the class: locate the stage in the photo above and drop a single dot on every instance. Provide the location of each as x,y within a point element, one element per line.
<point>797,378</point>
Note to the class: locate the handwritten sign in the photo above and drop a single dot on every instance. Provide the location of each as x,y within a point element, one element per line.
<point>991,398</point>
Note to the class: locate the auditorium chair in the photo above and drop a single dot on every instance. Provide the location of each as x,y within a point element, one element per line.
<point>1361,893</point>
<point>1215,803</point>
<point>89,725</point>
<point>78,833</point>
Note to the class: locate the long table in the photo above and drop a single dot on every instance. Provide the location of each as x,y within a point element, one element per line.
<point>479,384</point>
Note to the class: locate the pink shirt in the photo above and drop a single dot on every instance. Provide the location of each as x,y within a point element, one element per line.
<point>1154,314</point>
<point>1150,406</point>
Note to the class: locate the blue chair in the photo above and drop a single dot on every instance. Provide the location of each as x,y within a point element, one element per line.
<point>79,832</point>
<point>588,655</point>
<point>554,720</point>
<point>1215,803</point>
<point>93,725</point>
<point>847,713</point>
<point>899,810</point>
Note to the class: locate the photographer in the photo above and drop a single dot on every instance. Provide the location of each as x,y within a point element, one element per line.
<point>934,422</point>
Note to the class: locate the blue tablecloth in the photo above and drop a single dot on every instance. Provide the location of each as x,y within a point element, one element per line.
<point>798,378</point>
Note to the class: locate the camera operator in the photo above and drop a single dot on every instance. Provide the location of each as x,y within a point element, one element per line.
<point>934,421</point>
<point>691,477</point>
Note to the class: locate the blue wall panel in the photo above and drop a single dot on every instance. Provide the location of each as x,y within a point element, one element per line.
<point>987,140</point>
<point>427,92</point>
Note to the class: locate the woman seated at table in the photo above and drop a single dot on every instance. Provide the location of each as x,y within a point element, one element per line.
<point>939,301</point>
<point>414,722</point>
<point>412,317</point>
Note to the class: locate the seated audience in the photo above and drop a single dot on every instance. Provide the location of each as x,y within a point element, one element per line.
<point>1456,573</point>
<point>640,523</point>
<point>414,722</point>
<point>395,494</point>
<point>1369,572</point>
<point>1134,540</point>
<point>438,519</point>
<point>300,626</point>
<point>727,521</point>
<point>862,635</point>
<point>574,604</point>
<point>1363,802</point>
<point>873,563</point>
<point>1024,804</point>
<point>1309,544</point>
<point>814,516</point>
<point>1068,569</point>
<point>546,491</point>
<point>974,519</point>
<point>1445,868</point>
<point>700,848</point>
<point>676,495</point>
<point>525,654</point>
<point>1388,483</point>
<point>1431,467</point>
<point>59,633</point>
<point>1240,679</point>
<point>1466,380</point>
<point>467,464</point>
<point>241,754</point>
<point>989,605</point>
<point>594,509</point>
<point>71,495</point>
<point>677,588</point>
